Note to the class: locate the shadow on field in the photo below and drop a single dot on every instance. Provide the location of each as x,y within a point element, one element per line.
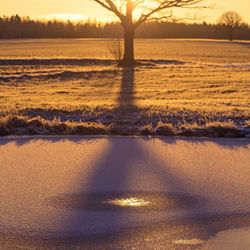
<point>111,182</point>
<point>123,174</point>
<point>126,96</point>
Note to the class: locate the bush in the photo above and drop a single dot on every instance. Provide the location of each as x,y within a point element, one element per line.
<point>147,129</point>
<point>166,129</point>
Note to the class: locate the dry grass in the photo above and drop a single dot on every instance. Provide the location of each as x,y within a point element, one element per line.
<point>184,87</point>
<point>164,99</point>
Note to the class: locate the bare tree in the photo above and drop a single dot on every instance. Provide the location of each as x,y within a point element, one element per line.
<point>230,21</point>
<point>148,10</point>
<point>115,49</point>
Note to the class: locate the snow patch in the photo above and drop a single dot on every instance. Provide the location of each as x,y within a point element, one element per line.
<point>55,74</point>
<point>189,241</point>
<point>237,65</point>
<point>230,240</point>
<point>165,62</point>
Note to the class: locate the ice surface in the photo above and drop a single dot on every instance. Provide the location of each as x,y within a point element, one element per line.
<point>230,240</point>
<point>35,171</point>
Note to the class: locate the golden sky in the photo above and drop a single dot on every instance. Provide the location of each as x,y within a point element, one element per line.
<point>82,9</point>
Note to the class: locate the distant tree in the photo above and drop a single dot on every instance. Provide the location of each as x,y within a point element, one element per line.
<point>13,27</point>
<point>230,21</point>
<point>149,10</point>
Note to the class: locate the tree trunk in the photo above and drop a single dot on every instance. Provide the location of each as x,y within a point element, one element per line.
<point>230,34</point>
<point>129,30</point>
<point>128,58</point>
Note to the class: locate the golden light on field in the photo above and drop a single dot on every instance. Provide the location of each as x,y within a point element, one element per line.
<point>128,202</point>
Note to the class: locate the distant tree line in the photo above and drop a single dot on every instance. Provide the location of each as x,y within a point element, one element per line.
<point>24,27</point>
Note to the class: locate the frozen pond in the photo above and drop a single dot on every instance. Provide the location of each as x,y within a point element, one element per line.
<point>89,185</point>
<point>111,192</point>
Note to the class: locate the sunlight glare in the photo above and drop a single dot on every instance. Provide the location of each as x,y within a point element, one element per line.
<point>128,202</point>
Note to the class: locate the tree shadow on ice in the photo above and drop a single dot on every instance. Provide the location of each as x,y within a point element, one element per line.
<point>128,180</point>
<point>109,207</point>
<point>123,185</point>
<point>126,183</point>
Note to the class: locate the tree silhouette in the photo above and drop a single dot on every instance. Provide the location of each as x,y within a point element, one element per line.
<point>12,28</point>
<point>231,21</point>
<point>149,10</point>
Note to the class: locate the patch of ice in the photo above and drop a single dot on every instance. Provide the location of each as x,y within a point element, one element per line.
<point>162,61</point>
<point>56,74</point>
<point>230,240</point>
<point>193,241</point>
<point>237,65</point>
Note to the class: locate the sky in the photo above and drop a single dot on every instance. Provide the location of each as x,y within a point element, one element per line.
<point>82,9</point>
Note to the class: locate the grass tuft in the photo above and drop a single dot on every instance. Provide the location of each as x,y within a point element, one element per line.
<point>165,129</point>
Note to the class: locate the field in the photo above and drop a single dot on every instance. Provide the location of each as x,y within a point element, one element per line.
<point>72,86</point>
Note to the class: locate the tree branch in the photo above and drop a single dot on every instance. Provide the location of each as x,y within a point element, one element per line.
<point>165,4</point>
<point>148,14</point>
<point>109,5</point>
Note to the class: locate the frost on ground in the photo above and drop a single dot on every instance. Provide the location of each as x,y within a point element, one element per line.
<point>185,95</point>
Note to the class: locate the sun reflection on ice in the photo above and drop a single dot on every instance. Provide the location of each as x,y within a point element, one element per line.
<point>128,202</point>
